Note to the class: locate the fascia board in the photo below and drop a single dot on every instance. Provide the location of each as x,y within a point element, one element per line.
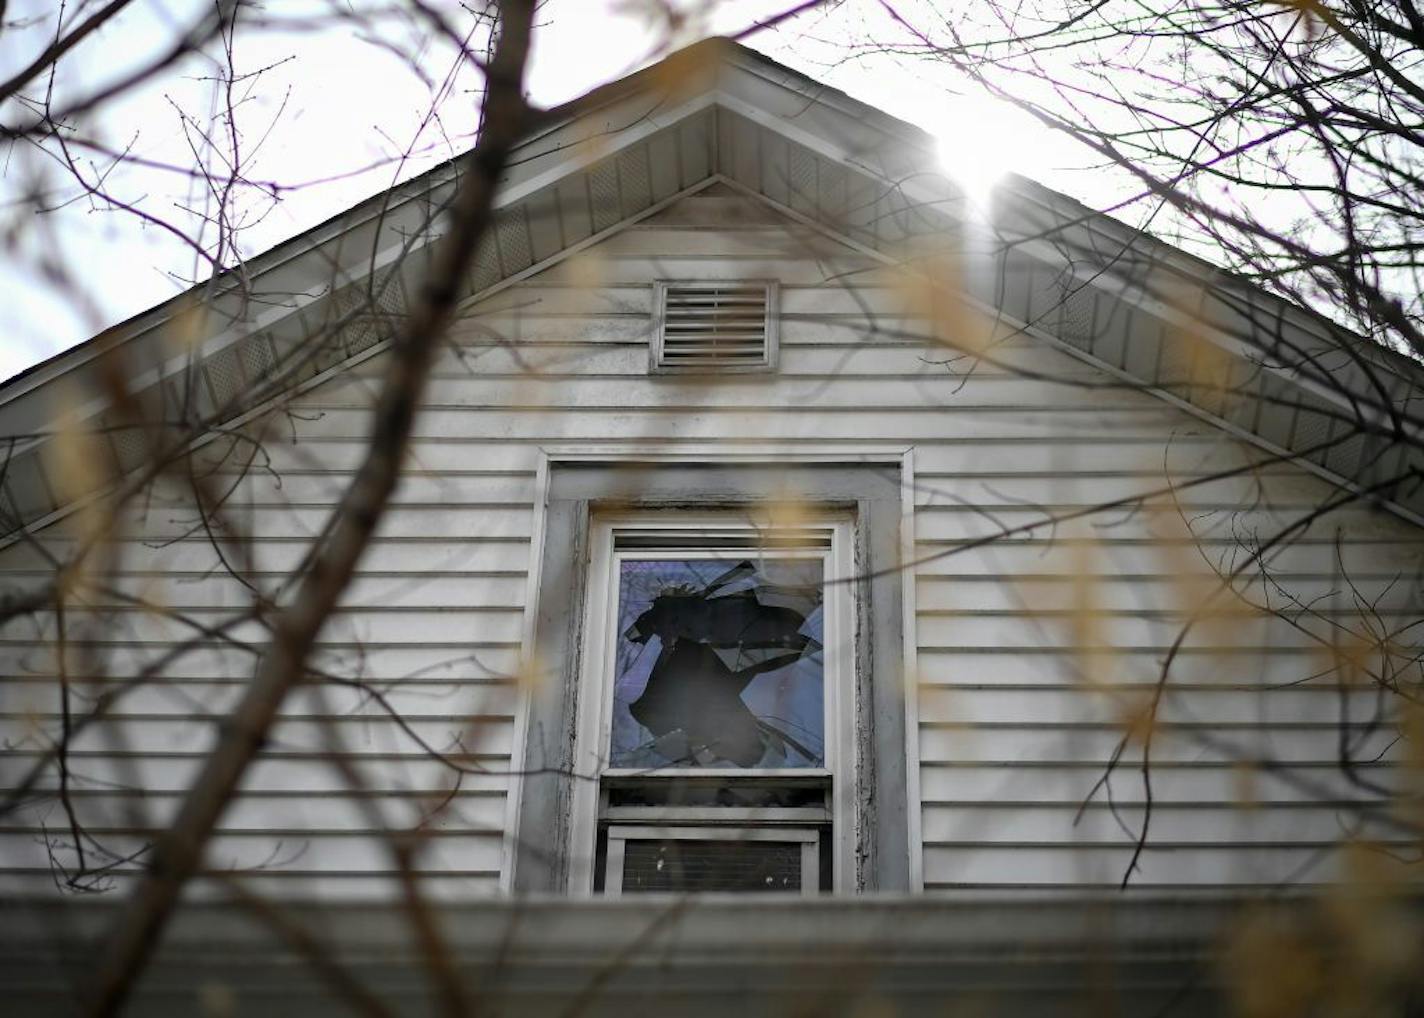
<point>1299,328</point>
<point>584,149</point>
<point>530,159</point>
<point>535,159</point>
<point>569,149</point>
<point>756,67</point>
<point>833,125</point>
<point>1148,387</point>
<point>619,116</point>
<point>263,264</point>
<point>1100,227</point>
<point>305,385</point>
<point>846,130</point>
<point>867,118</point>
<point>860,120</point>
<point>1090,229</point>
<point>321,244</point>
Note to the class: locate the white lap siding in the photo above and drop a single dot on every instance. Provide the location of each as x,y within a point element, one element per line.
<point>430,627</point>
<point>1036,652</point>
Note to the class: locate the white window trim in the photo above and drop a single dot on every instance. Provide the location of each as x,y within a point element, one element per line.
<point>620,834</point>
<point>594,709</point>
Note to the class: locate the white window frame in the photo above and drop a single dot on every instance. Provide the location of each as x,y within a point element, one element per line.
<point>620,834</point>
<point>594,708</point>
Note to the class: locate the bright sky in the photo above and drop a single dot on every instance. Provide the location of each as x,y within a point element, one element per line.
<point>330,103</point>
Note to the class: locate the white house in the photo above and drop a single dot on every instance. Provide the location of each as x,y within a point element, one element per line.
<point>772,523</point>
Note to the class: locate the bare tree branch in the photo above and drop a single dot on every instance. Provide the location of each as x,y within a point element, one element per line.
<point>179,851</point>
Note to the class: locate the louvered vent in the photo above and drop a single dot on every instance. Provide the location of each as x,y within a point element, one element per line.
<point>690,866</point>
<point>680,860</point>
<point>722,326</point>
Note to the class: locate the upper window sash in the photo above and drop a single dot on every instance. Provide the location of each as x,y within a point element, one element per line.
<point>787,732</point>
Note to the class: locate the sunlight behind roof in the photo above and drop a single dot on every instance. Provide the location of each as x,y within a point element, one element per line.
<point>980,139</point>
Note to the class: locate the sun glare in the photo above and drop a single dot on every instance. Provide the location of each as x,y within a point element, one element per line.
<point>980,140</point>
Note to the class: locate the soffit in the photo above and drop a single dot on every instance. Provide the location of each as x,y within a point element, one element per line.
<point>1043,265</point>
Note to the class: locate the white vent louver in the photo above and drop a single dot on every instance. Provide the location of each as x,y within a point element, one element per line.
<point>679,860</point>
<point>720,326</point>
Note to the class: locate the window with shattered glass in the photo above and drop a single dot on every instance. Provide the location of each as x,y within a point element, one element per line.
<point>718,664</point>
<point>720,660</point>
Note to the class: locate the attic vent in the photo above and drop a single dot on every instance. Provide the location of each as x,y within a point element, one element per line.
<point>721,326</point>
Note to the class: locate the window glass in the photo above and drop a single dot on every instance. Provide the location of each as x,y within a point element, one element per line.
<point>718,663</point>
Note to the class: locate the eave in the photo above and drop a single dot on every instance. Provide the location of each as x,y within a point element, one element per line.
<point>1120,299</point>
<point>698,955</point>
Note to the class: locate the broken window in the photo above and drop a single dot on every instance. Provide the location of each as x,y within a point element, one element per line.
<point>715,709</point>
<point>719,664</point>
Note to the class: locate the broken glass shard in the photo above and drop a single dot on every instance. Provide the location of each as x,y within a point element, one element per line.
<point>719,664</point>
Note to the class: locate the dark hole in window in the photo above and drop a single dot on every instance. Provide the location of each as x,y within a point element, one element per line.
<point>719,664</point>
